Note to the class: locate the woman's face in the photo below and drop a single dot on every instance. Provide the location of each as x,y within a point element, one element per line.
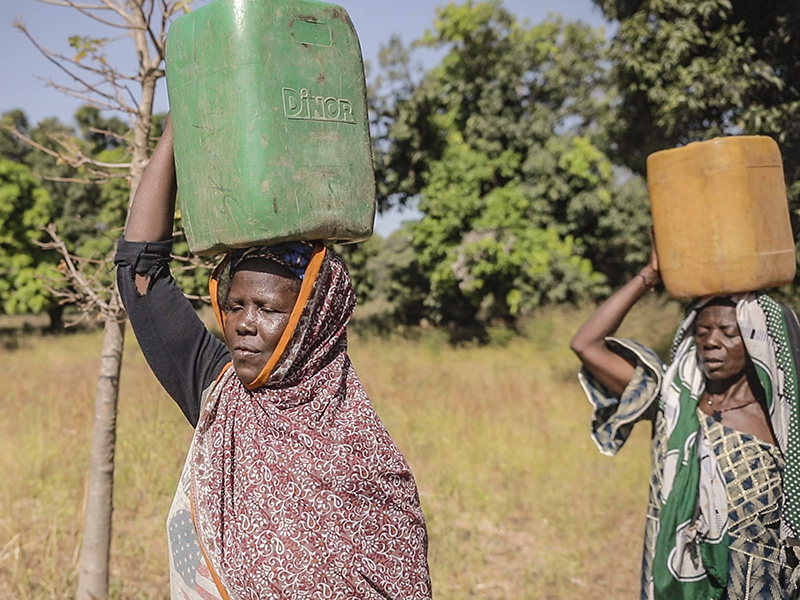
<point>257,310</point>
<point>720,349</point>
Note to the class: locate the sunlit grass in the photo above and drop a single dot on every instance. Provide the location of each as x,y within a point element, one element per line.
<point>518,501</point>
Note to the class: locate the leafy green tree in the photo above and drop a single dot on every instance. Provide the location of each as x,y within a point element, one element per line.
<point>11,147</point>
<point>24,205</point>
<point>88,213</point>
<point>76,199</point>
<point>101,132</point>
<point>502,146</point>
<point>390,289</point>
<point>690,70</point>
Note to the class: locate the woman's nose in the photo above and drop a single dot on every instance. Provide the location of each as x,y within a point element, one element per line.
<point>246,322</point>
<point>712,340</point>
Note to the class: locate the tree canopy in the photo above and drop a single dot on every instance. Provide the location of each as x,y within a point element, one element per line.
<point>689,70</point>
<point>502,145</point>
<point>88,213</point>
<point>26,266</point>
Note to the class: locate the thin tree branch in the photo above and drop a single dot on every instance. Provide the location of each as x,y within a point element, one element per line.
<point>77,159</point>
<point>72,272</point>
<point>87,10</point>
<point>116,104</point>
<point>51,56</point>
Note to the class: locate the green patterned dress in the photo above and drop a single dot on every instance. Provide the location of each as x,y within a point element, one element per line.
<point>752,471</point>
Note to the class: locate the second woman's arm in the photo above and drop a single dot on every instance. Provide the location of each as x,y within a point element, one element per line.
<point>589,342</point>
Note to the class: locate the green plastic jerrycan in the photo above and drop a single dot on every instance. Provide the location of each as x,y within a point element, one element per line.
<point>269,114</point>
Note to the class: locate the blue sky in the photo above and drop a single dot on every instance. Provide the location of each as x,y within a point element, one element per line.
<point>24,71</point>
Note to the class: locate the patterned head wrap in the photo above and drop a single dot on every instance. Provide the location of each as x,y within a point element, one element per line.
<point>293,256</point>
<point>302,259</point>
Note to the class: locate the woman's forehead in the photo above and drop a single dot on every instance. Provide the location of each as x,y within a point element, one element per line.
<point>717,313</point>
<point>258,264</point>
<point>264,281</point>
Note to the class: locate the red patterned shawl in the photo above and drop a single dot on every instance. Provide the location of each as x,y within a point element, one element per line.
<point>298,491</point>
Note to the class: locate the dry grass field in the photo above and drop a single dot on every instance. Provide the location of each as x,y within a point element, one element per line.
<point>519,503</point>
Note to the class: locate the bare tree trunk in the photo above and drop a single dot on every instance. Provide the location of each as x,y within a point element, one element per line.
<point>56,315</point>
<point>93,576</point>
<point>93,573</point>
<point>146,21</point>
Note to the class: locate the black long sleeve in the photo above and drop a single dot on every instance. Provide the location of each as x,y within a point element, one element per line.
<point>183,354</point>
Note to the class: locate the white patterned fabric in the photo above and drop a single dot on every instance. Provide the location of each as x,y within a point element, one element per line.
<point>737,495</point>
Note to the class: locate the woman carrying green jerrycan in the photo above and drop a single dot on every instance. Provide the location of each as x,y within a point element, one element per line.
<point>292,487</point>
<point>724,506</point>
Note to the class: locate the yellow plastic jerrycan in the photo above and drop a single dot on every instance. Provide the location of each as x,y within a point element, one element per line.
<point>721,217</point>
<point>269,113</point>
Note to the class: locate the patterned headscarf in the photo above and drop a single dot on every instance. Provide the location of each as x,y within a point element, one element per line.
<point>299,258</point>
<point>694,517</point>
<point>298,490</point>
<point>293,256</point>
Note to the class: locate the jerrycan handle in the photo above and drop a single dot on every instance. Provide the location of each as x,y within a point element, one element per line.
<point>313,33</point>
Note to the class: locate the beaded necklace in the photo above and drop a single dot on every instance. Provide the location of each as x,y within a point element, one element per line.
<point>717,414</point>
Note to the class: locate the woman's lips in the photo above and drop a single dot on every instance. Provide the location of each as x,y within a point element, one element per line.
<point>712,362</point>
<point>245,351</point>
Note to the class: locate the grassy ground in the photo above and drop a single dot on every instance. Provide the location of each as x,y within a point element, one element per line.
<point>519,503</point>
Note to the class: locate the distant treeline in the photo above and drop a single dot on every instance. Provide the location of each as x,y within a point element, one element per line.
<point>523,149</point>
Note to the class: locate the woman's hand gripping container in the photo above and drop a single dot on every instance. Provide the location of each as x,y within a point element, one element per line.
<point>268,105</point>
<point>720,217</point>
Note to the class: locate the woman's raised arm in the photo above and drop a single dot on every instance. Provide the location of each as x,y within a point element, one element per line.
<point>589,343</point>
<point>152,214</point>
